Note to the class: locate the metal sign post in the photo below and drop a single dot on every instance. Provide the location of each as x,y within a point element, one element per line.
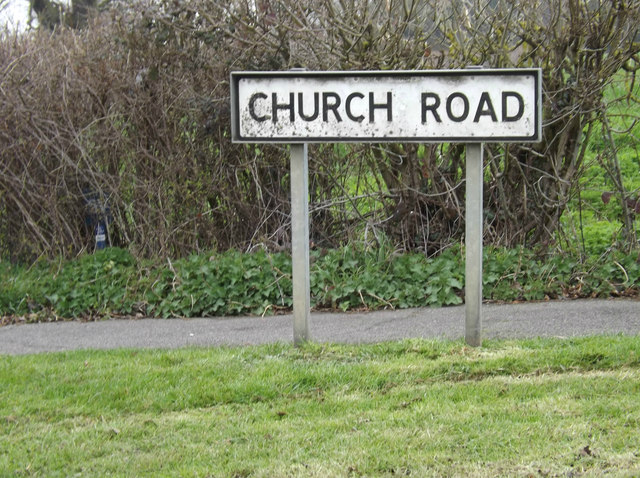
<point>473,242</point>
<point>300,241</point>
<point>456,106</point>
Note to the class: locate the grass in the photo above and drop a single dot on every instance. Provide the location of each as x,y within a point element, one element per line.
<point>422,408</point>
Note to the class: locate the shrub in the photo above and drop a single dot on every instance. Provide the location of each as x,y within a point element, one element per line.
<point>127,120</point>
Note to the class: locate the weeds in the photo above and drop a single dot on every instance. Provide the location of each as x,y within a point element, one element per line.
<point>113,283</point>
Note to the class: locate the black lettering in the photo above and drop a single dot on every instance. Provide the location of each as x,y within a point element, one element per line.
<point>433,107</point>
<point>359,118</point>
<point>485,108</point>
<point>326,106</point>
<point>383,106</point>
<point>275,106</point>
<point>252,107</point>
<point>465,102</point>
<point>316,109</point>
<point>518,115</point>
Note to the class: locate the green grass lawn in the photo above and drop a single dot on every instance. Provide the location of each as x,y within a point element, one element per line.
<point>416,407</point>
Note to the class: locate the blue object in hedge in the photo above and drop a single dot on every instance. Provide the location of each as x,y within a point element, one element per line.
<point>101,235</point>
<point>98,216</point>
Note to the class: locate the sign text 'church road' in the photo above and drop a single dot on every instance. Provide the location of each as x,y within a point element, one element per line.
<point>426,106</point>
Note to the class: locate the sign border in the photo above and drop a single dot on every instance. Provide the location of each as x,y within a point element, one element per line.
<point>236,76</point>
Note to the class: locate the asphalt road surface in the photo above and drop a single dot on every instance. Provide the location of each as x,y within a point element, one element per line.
<point>538,319</point>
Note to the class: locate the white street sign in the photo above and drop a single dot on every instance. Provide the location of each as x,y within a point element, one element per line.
<point>397,106</point>
<point>466,106</point>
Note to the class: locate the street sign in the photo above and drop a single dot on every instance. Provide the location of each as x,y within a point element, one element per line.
<point>471,106</point>
<point>475,105</point>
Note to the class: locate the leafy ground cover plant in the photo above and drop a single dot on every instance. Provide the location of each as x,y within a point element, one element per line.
<point>94,284</point>
<point>226,284</point>
<point>518,274</point>
<point>347,279</point>
<point>112,283</point>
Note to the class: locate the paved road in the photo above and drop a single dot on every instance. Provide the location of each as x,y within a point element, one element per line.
<point>541,319</point>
